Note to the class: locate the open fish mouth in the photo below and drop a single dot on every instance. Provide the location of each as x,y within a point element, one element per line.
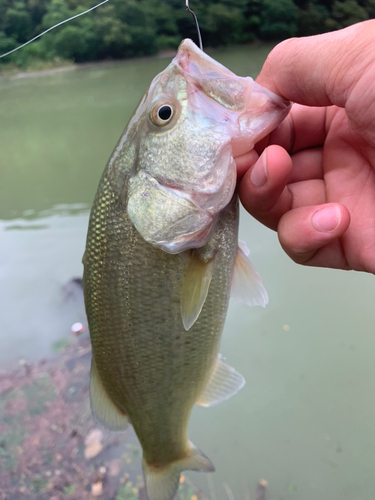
<point>167,218</point>
<point>253,110</point>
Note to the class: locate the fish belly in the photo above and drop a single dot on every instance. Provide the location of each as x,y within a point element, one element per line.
<point>150,366</point>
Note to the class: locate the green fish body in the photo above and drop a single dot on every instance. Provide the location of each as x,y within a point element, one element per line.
<point>161,251</point>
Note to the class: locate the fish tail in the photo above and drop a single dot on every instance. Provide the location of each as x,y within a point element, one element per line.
<point>162,482</point>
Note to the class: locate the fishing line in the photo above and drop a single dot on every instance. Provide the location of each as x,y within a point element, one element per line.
<point>196,24</point>
<point>89,10</point>
<point>53,27</point>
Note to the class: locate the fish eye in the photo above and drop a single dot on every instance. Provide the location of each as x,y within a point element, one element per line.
<point>162,113</point>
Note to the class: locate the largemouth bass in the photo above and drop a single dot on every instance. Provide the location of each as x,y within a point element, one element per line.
<point>161,256</point>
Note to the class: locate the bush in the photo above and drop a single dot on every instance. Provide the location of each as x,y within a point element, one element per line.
<point>346,13</point>
<point>129,28</point>
<point>278,19</point>
<point>312,20</point>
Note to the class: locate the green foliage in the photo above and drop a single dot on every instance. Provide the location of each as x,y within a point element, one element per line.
<point>278,19</point>
<point>132,28</point>
<point>223,23</point>
<point>346,13</point>
<point>60,345</point>
<point>7,43</point>
<point>127,492</point>
<point>369,6</point>
<point>69,489</point>
<point>57,11</point>
<point>311,19</point>
<point>18,22</point>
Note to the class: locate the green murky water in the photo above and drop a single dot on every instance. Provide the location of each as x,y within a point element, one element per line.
<point>305,419</point>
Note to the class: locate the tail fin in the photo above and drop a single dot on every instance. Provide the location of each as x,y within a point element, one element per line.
<point>162,482</point>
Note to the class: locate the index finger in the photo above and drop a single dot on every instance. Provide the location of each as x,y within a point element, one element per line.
<point>303,128</point>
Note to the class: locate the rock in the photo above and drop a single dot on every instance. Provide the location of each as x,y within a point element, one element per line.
<point>93,444</point>
<point>97,489</point>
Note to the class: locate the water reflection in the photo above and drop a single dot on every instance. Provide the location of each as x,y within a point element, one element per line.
<point>40,253</point>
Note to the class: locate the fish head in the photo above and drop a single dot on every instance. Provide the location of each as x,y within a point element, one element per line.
<point>195,117</point>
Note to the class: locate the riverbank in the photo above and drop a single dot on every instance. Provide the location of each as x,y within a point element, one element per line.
<point>14,73</point>
<point>50,446</point>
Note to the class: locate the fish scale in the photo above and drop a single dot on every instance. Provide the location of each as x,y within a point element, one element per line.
<point>161,255</point>
<point>145,329</point>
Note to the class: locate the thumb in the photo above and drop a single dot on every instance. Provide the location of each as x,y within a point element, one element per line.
<point>310,235</point>
<point>321,70</point>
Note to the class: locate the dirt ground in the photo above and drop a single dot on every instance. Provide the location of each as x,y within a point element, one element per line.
<point>50,446</point>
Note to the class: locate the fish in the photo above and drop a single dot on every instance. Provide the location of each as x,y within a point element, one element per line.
<point>162,258</point>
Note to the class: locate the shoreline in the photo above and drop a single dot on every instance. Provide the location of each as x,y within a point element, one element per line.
<point>14,75</point>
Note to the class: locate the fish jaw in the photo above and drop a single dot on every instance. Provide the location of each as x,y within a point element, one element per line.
<point>168,218</point>
<point>267,111</point>
<point>250,110</point>
<point>185,172</point>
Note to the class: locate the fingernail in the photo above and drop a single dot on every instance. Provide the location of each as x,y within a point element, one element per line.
<point>258,175</point>
<point>326,219</point>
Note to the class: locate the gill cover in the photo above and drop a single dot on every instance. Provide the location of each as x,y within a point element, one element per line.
<point>194,118</point>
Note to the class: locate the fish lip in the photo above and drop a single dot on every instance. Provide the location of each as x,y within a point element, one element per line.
<point>191,60</point>
<point>255,104</point>
<point>263,113</point>
<point>189,54</point>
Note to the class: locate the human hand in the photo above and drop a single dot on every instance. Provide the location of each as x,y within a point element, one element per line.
<point>315,179</point>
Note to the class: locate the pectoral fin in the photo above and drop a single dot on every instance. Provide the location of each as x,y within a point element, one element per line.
<point>247,285</point>
<point>195,288</point>
<point>103,408</point>
<point>224,383</point>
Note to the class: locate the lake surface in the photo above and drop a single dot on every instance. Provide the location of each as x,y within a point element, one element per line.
<point>305,419</point>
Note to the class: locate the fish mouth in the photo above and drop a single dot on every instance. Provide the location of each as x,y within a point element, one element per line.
<point>193,61</point>
<point>167,218</point>
<point>250,109</point>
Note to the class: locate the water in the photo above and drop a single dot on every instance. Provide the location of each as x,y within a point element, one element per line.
<point>305,419</point>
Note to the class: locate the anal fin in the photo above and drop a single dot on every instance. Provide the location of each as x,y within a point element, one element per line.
<point>195,288</point>
<point>224,383</point>
<point>247,285</point>
<point>103,408</point>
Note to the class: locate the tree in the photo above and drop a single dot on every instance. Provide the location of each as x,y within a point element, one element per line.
<point>346,13</point>
<point>18,22</point>
<point>311,19</point>
<point>223,24</point>
<point>278,19</point>
<point>129,28</point>
<point>369,6</point>
<point>7,43</point>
